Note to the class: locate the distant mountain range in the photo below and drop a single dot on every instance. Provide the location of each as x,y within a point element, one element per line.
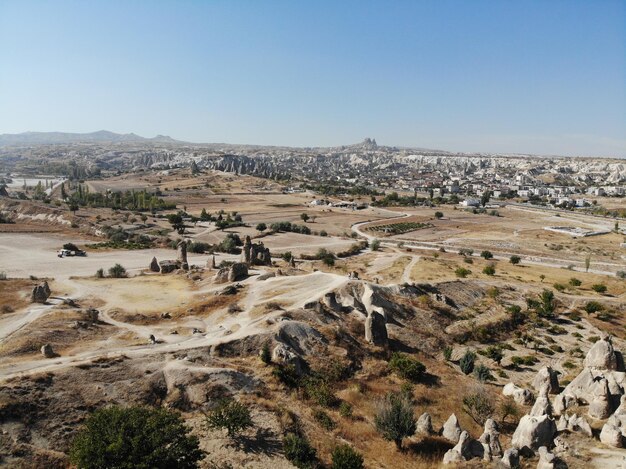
<point>102,136</point>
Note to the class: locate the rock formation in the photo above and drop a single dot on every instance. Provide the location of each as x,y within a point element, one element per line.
<point>154,265</point>
<point>255,253</point>
<point>547,460</point>
<point>601,356</point>
<point>510,458</point>
<point>547,375</point>
<point>376,329</point>
<point>234,273</point>
<point>611,435</point>
<point>451,429</point>
<point>542,405</point>
<point>490,439</point>
<point>461,452</point>
<point>533,432</point>
<point>424,425</point>
<point>47,351</point>
<point>40,293</point>
<point>168,266</point>
<point>520,395</point>
<point>600,406</point>
<point>182,254</point>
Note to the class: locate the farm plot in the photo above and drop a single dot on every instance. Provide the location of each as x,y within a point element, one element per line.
<point>391,229</point>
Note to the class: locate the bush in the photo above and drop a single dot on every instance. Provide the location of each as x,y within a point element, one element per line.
<point>100,273</point>
<point>199,248</point>
<point>467,362</point>
<point>324,420</point>
<point>261,227</point>
<point>599,288</point>
<point>231,415</point>
<point>508,408</point>
<point>406,367</point>
<point>298,451</point>
<point>117,271</point>
<point>495,353</point>
<point>515,260</point>
<point>478,406</point>
<point>323,233</point>
<point>483,373</point>
<point>135,437</point>
<point>287,375</point>
<point>345,457</point>
<point>489,270</point>
<point>486,255</point>
<point>395,418</point>
<point>462,272</point>
<point>319,391</point>
<point>266,354</point>
<point>345,409</point>
<point>447,352</point>
<point>375,246</point>
<point>574,282</point>
<point>593,307</point>
<point>438,215</point>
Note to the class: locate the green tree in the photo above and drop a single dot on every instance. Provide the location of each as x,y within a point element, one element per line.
<point>438,215</point>
<point>117,271</point>
<point>299,451</point>
<point>467,362</point>
<point>261,227</point>
<point>599,288</point>
<point>304,217</point>
<point>546,306</point>
<point>135,437</point>
<point>406,366</point>
<point>375,246</point>
<point>346,457</point>
<point>176,220</point>
<point>489,270</point>
<point>484,200</point>
<point>395,418</point>
<point>486,255</point>
<point>231,415</point>
<point>515,259</point>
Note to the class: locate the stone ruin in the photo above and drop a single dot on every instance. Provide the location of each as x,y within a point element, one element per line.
<point>41,293</point>
<point>255,253</point>
<point>168,266</point>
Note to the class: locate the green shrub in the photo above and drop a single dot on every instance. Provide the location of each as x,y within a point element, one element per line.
<point>447,352</point>
<point>299,451</point>
<point>375,245</point>
<point>100,273</point>
<point>478,406</point>
<point>483,373</point>
<point>559,287</point>
<point>486,255</point>
<point>266,354</point>
<point>406,367</point>
<point>325,421</point>
<point>319,391</point>
<point>287,374</point>
<point>345,457</point>
<point>231,415</point>
<point>593,307</point>
<point>495,353</point>
<point>489,270</point>
<point>141,437</point>
<point>467,362</point>
<point>345,409</point>
<point>117,271</point>
<point>515,260</point>
<point>599,288</point>
<point>574,282</point>
<point>395,418</point>
<point>462,272</point>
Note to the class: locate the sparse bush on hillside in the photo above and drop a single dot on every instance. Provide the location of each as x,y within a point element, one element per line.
<point>489,270</point>
<point>100,273</point>
<point>135,437</point>
<point>447,352</point>
<point>559,287</point>
<point>467,362</point>
<point>395,418</point>
<point>515,260</point>
<point>478,406</point>
<point>599,288</point>
<point>231,415</point>
<point>486,255</point>
<point>593,307</point>
<point>325,421</point>
<point>574,282</point>
<point>508,408</point>
<point>345,457</point>
<point>375,245</point>
<point>266,354</point>
<point>299,451</point>
<point>483,373</point>
<point>495,353</point>
<point>406,367</point>
<point>462,272</point>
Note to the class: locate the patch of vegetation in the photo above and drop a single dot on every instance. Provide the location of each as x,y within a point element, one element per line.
<point>231,415</point>
<point>406,367</point>
<point>346,457</point>
<point>299,451</point>
<point>395,418</point>
<point>117,271</point>
<point>467,362</point>
<point>325,421</point>
<point>479,406</point>
<point>462,272</point>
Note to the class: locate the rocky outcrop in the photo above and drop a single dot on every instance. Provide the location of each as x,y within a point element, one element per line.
<point>533,432</point>
<point>168,266</point>
<point>300,336</point>
<point>611,435</point>
<point>520,395</point>
<point>376,329</point>
<point>234,273</point>
<point>547,375</point>
<point>601,356</point>
<point>461,452</point>
<point>154,265</point>
<point>542,405</point>
<point>561,403</point>
<point>255,253</point>
<point>424,425</point>
<point>47,351</point>
<point>510,458</point>
<point>451,430</point>
<point>490,439</point>
<point>576,423</point>
<point>600,406</point>
<point>547,460</point>
<point>182,254</point>
<point>40,293</point>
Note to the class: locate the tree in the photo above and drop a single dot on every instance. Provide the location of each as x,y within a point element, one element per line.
<point>304,217</point>
<point>395,418</point>
<point>515,259</point>
<point>176,220</point>
<point>542,277</point>
<point>495,353</point>
<point>406,366</point>
<point>117,271</point>
<point>546,306</point>
<point>599,288</point>
<point>266,354</point>
<point>484,200</point>
<point>204,215</point>
<point>486,255</point>
<point>140,437</point>
<point>438,215</point>
<point>231,415</point>
<point>345,457</point>
<point>261,227</point>
<point>375,246</point>
<point>489,270</point>
<point>462,272</point>
<point>478,406</point>
<point>298,451</point>
<point>467,362</point>
<point>574,282</point>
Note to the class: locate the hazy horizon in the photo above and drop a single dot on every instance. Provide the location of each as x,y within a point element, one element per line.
<point>544,78</point>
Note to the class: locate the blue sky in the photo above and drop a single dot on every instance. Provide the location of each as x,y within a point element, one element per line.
<point>544,77</point>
